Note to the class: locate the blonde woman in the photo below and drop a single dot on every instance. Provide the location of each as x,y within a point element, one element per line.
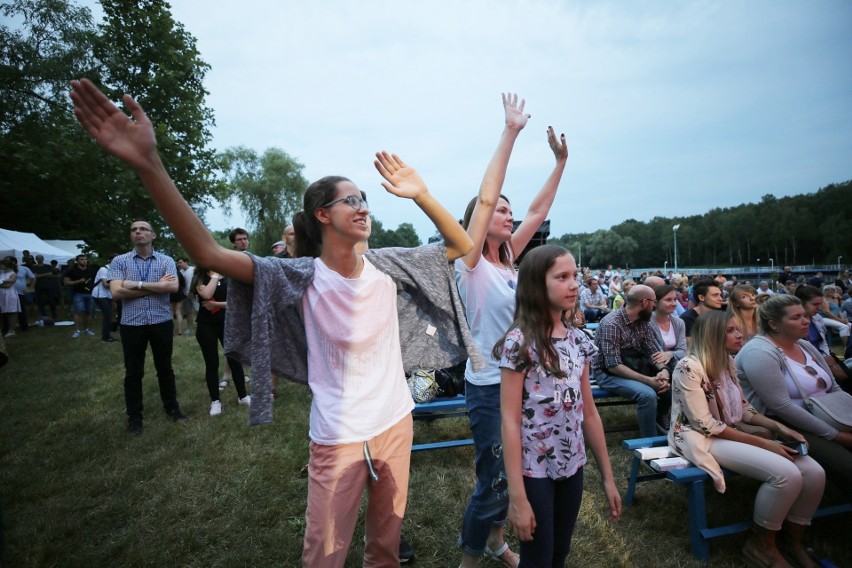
<point>742,304</point>
<point>707,406</point>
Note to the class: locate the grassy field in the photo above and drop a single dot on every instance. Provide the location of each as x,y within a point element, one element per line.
<point>77,490</point>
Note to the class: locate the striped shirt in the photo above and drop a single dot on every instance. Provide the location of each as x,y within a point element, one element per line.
<point>151,308</point>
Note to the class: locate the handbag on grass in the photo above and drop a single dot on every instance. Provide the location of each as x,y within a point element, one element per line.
<point>833,408</point>
<point>422,385</point>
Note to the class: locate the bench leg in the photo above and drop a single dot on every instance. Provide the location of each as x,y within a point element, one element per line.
<point>697,519</point>
<point>631,481</point>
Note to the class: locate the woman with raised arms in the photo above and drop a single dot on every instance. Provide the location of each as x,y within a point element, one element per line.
<point>332,318</point>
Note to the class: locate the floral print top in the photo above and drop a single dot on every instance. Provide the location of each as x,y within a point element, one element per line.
<point>552,414</point>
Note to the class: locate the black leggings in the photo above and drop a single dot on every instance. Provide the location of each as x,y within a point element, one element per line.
<point>209,335</point>
<point>555,504</point>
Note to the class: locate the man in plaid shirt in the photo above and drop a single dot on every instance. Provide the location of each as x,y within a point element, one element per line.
<point>630,328</point>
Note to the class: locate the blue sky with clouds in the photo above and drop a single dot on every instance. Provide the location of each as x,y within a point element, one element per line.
<point>670,108</point>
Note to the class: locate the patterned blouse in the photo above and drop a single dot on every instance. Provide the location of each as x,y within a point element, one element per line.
<point>552,412</point>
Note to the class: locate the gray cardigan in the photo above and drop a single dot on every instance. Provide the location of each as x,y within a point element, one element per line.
<point>264,327</point>
<point>679,350</point>
<point>762,370</point>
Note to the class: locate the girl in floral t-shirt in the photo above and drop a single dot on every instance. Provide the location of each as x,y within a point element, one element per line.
<point>545,400</point>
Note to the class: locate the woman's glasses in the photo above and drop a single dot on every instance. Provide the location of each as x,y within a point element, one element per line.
<point>813,372</point>
<point>352,201</point>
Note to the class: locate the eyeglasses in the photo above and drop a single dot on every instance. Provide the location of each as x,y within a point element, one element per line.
<point>813,372</point>
<point>352,201</point>
<point>653,301</point>
<point>140,230</point>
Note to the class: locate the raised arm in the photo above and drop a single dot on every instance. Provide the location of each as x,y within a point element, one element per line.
<point>495,174</point>
<point>404,181</point>
<point>133,141</point>
<point>540,206</point>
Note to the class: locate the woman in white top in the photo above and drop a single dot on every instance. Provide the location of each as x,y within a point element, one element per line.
<point>343,333</point>
<point>486,278</point>
<point>669,329</point>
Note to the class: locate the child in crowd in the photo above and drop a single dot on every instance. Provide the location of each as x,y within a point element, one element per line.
<point>548,413</point>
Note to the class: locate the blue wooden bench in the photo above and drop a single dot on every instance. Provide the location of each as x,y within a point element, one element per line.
<point>692,479</point>
<point>441,408</point>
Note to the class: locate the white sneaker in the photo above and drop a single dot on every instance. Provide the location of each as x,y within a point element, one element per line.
<point>76,334</point>
<point>216,408</point>
<point>246,400</point>
<point>11,333</point>
<point>88,332</point>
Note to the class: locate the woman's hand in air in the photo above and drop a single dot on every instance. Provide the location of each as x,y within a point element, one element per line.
<point>559,146</point>
<point>402,179</point>
<point>515,117</point>
<point>130,140</point>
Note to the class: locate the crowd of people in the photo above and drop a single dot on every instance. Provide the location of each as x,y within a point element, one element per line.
<point>351,322</point>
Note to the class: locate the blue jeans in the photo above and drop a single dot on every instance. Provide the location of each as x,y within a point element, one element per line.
<point>644,396</point>
<point>488,506</point>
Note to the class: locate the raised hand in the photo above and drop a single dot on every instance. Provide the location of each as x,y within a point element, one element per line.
<point>515,117</point>
<point>402,179</point>
<point>559,147</point>
<point>130,140</point>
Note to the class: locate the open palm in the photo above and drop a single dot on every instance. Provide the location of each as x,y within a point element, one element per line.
<point>402,179</point>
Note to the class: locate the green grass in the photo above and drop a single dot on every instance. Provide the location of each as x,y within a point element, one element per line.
<point>77,490</point>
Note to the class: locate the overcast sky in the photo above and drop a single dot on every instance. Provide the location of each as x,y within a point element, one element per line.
<point>669,108</point>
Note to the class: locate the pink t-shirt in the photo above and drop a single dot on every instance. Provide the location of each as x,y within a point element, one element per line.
<point>355,366</point>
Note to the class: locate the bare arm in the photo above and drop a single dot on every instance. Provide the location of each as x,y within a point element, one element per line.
<point>596,441</point>
<point>206,291</point>
<point>404,181</point>
<point>495,174</point>
<point>129,289</point>
<point>133,141</point>
<point>521,517</point>
<point>540,205</point>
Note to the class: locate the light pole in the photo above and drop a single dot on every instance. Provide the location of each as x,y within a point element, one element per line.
<point>665,265</point>
<point>580,256</point>
<point>674,230</point>
<point>771,272</point>
<point>839,258</point>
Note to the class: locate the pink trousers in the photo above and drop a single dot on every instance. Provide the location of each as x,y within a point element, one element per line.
<point>337,476</point>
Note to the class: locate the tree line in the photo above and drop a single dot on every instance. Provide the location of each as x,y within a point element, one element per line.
<point>57,183</point>
<point>801,229</point>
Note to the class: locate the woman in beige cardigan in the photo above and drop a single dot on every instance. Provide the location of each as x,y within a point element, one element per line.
<point>708,412</point>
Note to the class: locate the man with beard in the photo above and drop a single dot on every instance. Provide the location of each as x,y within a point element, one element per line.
<point>623,365</point>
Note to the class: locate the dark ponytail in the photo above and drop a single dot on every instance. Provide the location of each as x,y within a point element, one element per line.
<point>306,227</point>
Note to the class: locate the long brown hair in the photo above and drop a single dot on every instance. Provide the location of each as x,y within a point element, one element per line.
<point>749,328</point>
<point>708,344</point>
<point>532,311</point>
<point>307,229</point>
<point>504,253</point>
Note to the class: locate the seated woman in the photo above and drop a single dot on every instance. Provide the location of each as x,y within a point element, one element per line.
<point>812,302</point>
<point>742,304</point>
<point>668,328</point>
<point>707,407</point>
<point>830,312</point>
<point>618,299</point>
<point>765,367</point>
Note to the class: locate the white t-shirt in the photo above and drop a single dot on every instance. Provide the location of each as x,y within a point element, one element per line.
<point>99,290</point>
<point>355,369</point>
<point>811,384</point>
<point>188,274</point>
<point>488,295</point>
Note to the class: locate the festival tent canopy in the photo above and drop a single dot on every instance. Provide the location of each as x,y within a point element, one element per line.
<point>14,243</point>
<point>71,247</point>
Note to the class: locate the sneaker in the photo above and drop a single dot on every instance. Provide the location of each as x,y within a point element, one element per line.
<point>246,400</point>
<point>11,333</point>
<point>76,334</point>
<point>109,340</point>
<point>134,427</point>
<point>88,332</point>
<point>216,408</point>
<point>406,552</point>
<point>176,415</point>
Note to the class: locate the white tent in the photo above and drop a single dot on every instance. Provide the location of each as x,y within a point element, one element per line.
<point>14,243</point>
<point>71,247</point>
